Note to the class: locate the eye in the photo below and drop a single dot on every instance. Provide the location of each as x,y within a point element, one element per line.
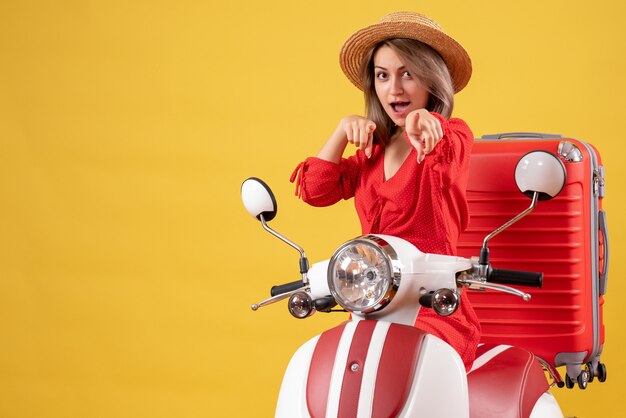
<point>406,74</point>
<point>381,75</point>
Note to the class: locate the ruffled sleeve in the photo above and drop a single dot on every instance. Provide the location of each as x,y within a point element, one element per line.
<point>323,183</point>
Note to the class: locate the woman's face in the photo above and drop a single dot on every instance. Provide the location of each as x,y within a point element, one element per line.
<point>398,90</point>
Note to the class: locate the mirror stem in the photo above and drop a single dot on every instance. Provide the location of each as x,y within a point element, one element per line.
<point>304,262</point>
<point>484,251</point>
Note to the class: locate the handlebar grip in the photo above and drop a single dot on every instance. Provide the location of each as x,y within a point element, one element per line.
<point>287,287</point>
<point>516,277</point>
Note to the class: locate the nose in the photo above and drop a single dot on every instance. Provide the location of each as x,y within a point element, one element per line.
<point>396,86</point>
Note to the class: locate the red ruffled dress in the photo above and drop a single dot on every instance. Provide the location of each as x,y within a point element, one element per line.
<point>423,203</point>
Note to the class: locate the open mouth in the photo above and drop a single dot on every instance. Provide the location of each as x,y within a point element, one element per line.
<point>399,107</point>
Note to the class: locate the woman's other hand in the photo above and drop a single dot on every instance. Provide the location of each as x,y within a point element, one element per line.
<point>423,131</point>
<point>358,131</point>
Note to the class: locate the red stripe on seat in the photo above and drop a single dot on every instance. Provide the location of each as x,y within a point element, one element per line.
<point>321,370</point>
<point>352,379</point>
<point>396,369</point>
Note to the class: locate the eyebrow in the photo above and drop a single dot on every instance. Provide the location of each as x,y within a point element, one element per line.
<point>383,68</point>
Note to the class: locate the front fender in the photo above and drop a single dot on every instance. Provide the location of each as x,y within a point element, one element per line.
<point>377,368</point>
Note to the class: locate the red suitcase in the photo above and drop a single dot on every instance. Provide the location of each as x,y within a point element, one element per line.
<point>565,238</point>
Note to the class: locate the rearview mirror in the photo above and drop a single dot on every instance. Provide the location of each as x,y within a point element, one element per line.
<point>540,172</point>
<point>258,199</point>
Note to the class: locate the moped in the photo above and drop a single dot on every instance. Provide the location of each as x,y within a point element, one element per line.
<point>377,364</point>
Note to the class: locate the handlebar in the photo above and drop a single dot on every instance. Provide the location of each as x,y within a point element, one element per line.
<point>515,277</point>
<point>285,288</point>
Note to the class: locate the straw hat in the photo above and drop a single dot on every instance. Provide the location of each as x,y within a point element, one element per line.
<point>406,25</point>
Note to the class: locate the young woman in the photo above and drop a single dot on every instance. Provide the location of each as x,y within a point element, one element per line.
<point>409,173</point>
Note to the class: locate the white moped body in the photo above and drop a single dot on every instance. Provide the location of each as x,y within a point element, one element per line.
<point>378,364</point>
<point>349,371</point>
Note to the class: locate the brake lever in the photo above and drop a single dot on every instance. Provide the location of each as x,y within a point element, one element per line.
<point>278,298</point>
<point>481,285</point>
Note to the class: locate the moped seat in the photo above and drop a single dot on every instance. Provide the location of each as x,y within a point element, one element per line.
<point>504,382</point>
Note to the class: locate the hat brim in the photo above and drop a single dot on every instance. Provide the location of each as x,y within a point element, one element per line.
<point>358,45</point>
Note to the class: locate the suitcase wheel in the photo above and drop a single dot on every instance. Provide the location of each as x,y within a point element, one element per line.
<point>598,371</point>
<point>591,370</point>
<point>601,372</point>
<point>581,380</point>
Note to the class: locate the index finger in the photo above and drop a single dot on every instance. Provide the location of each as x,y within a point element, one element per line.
<point>419,148</point>
<point>364,136</point>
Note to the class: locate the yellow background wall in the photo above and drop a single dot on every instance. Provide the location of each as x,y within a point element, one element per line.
<point>127,262</point>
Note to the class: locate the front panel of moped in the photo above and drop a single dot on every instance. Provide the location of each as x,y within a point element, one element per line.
<point>376,369</point>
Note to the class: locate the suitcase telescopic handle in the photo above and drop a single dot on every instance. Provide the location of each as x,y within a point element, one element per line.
<point>515,277</point>
<point>534,135</point>
<point>605,251</point>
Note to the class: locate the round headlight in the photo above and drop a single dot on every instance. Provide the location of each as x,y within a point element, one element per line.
<point>361,275</point>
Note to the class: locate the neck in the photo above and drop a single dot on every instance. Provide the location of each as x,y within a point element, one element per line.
<point>398,134</point>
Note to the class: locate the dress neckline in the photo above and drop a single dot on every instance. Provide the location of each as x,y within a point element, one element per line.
<point>400,168</point>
